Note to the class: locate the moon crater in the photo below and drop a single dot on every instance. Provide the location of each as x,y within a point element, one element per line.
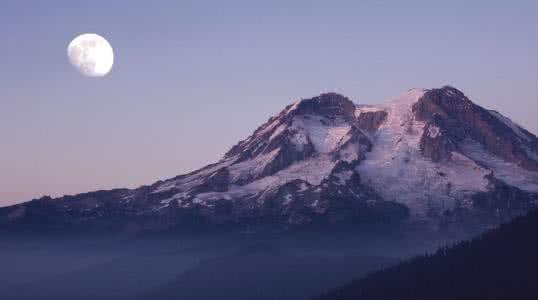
<point>91,55</point>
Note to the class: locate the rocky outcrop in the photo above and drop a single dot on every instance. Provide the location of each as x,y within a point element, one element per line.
<point>355,146</point>
<point>459,119</point>
<point>502,197</point>
<point>330,105</point>
<point>288,153</point>
<point>436,145</point>
<point>371,120</point>
<point>218,182</point>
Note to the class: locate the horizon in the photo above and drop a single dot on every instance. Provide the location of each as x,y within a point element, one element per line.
<point>190,80</point>
<point>381,104</point>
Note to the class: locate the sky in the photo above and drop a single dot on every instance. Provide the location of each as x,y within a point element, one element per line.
<point>192,78</point>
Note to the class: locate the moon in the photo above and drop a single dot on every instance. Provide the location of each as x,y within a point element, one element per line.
<point>91,55</point>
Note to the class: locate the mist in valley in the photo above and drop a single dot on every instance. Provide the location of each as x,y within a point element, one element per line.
<point>203,266</point>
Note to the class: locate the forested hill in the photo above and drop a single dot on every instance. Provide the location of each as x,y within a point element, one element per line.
<point>500,264</point>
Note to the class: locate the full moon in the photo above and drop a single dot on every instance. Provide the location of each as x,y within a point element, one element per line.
<point>91,55</point>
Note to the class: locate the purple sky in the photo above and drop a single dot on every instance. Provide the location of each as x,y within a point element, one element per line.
<point>192,78</point>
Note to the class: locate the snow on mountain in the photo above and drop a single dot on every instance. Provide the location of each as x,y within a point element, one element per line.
<point>508,172</point>
<point>391,162</point>
<point>398,171</point>
<point>422,155</point>
<point>515,128</point>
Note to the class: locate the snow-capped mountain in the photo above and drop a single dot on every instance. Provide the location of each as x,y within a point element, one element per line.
<point>424,155</point>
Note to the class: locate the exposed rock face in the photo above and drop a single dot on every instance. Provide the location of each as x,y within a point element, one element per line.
<point>329,105</point>
<point>218,181</point>
<point>502,196</point>
<point>458,119</point>
<point>354,146</point>
<point>371,120</point>
<point>278,130</point>
<point>435,144</point>
<point>424,156</point>
<point>287,153</point>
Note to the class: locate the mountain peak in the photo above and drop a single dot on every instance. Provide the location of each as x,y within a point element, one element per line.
<point>448,89</point>
<point>292,124</point>
<point>462,121</point>
<point>327,105</point>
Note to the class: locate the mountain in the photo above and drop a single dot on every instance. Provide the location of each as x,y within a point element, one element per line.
<point>500,264</point>
<point>427,156</point>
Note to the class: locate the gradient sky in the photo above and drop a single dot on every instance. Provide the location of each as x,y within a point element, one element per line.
<point>191,78</point>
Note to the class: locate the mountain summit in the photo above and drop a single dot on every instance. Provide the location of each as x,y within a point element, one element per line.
<point>426,155</point>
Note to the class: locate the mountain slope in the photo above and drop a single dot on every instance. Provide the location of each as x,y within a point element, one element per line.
<point>500,264</point>
<point>427,155</point>
<point>285,276</point>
